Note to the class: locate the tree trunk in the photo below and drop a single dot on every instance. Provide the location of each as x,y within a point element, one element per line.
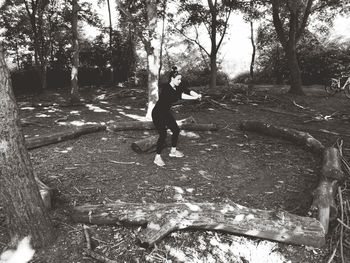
<point>213,73</point>
<point>213,52</point>
<point>253,52</point>
<point>152,49</point>
<point>110,40</point>
<point>162,40</point>
<point>75,60</point>
<point>24,208</point>
<point>162,219</point>
<point>43,48</point>
<point>295,75</point>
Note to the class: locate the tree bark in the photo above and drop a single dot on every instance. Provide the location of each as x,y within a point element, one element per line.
<point>293,65</point>
<point>162,219</point>
<point>24,208</point>
<point>75,60</point>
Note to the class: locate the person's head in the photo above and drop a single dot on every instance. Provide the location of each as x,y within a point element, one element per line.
<point>175,76</point>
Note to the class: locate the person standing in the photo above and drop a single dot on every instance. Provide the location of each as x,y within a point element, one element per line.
<point>162,117</point>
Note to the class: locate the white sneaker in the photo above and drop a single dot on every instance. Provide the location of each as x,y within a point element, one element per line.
<point>159,161</point>
<point>176,154</point>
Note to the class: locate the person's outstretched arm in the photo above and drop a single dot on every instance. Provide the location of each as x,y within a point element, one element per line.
<point>192,96</point>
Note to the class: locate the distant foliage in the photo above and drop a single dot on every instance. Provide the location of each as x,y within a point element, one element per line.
<point>319,59</point>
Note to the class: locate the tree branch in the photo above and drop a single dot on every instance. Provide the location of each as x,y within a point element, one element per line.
<point>277,22</point>
<point>304,19</point>
<point>224,31</point>
<point>193,40</point>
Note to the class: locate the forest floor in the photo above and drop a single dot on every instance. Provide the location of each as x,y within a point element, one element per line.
<point>225,165</point>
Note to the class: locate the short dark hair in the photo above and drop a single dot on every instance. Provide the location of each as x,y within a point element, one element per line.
<point>173,73</point>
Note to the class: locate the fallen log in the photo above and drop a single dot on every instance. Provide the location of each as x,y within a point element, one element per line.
<point>142,125</point>
<point>147,145</point>
<point>331,172</point>
<point>161,219</point>
<point>40,141</point>
<point>325,193</point>
<point>298,137</point>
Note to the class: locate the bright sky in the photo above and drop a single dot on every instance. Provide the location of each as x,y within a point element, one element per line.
<point>236,49</point>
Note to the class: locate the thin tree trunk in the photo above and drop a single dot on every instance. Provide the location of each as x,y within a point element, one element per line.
<point>152,49</point>
<point>213,72</point>
<point>254,49</point>
<point>213,52</point>
<point>162,40</point>
<point>75,64</point>
<point>24,208</point>
<point>42,45</point>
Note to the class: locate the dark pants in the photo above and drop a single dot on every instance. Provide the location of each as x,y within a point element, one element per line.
<point>162,121</point>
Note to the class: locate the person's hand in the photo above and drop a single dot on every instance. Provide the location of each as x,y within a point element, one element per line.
<point>199,97</point>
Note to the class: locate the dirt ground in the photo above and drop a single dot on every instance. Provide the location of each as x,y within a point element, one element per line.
<point>226,165</point>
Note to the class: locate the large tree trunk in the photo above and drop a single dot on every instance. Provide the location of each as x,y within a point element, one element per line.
<point>295,75</point>
<point>24,208</point>
<point>162,219</point>
<point>75,60</point>
<point>152,49</point>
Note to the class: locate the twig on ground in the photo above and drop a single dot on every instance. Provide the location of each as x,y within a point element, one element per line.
<point>342,223</point>
<point>87,237</point>
<point>88,251</point>
<point>299,106</point>
<point>116,162</point>
<point>333,254</point>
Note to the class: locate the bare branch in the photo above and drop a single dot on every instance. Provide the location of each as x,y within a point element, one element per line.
<point>304,19</point>
<point>224,31</point>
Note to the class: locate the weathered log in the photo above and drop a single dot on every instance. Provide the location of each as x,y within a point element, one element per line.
<point>161,219</point>
<point>299,137</point>
<point>142,125</point>
<point>40,141</point>
<point>148,144</point>
<point>325,193</point>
